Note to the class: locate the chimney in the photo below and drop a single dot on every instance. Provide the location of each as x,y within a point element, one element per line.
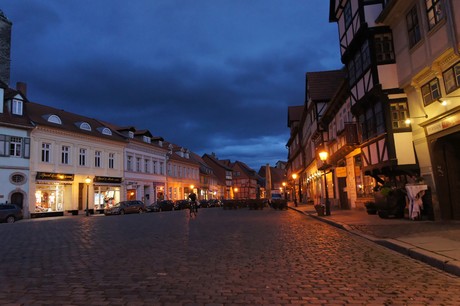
<point>22,88</point>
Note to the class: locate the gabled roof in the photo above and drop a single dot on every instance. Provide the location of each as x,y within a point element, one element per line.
<point>40,115</point>
<point>216,162</point>
<point>322,85</point>
<point>249,172</point>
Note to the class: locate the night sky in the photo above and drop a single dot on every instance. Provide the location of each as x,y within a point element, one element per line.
<point>209,75</point>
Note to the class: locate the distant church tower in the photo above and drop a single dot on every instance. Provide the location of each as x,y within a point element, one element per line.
<point>5,48</point>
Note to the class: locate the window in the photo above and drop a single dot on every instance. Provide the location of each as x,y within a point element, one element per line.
<point>129,163</point>
<point>18,178</point>
<point>398,115</point>
<point>452,78</point>
<point>15,146</point>
<point>17,106</point>
<point>82,157</point>
<point>147,165</point>
<point>97,159</point>
<point>111,160</point>
<point>65,153</point>
<point>434,12</point>
<point>46,152</point>
<point>431,92</point>
<point>161,168</point>
<point>53,119</point>
<point>347,15</point>
<point>138,164</point>
<point>84,126</point>
<point>372,121</point>
<point>359,64</point>
<point>384,48</point>
<point>413,27</point>
<point>154,171</point>
<point>366,58</point>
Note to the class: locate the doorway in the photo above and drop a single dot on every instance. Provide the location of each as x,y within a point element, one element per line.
<point>18,199</point>
<point>446,168</point>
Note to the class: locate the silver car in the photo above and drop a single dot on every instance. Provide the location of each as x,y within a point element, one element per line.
<point>126,207</point>
<point>10,213</point>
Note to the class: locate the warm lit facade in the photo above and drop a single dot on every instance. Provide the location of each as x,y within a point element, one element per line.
<point>182,173</point>
<point>224,176</point>
<point>144,161</point>
<point>66,150</point>
<point>245,181</point>
<point>426,42</point>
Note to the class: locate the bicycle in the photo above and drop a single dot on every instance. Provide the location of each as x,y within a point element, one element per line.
<point>193,208</point>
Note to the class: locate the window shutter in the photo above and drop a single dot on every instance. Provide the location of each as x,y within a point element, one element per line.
<point>5,145</point>
<point>26,148</point>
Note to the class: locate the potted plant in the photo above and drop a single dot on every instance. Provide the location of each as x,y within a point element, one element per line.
<point>390,201</point>
<point>320,208</point>
<point>371,208</point>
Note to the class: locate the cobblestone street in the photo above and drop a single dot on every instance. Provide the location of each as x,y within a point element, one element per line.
<point>222,257</point>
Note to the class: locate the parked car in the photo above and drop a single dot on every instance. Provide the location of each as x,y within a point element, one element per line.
<point>214,203</point>
<point>164,205</point>
<point>10,213</point>
<point>126,207</point>
<point>203,204</point>
<point>181,204</point>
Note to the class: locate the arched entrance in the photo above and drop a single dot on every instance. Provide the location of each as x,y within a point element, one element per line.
<point>18,199</point>
<point>446,169</point>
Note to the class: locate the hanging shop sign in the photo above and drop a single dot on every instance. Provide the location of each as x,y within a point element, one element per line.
<point>54,176</point>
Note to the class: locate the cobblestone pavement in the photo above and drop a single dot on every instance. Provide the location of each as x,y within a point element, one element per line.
<point>221,257</point>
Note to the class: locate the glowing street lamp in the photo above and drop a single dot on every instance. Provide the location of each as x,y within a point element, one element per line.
<point>323,155</point>
<point>87,182</point>
<point>284,187</point>
<point>294,177</point>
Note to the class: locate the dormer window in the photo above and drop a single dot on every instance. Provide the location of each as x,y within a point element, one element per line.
<point>131,134</point>
<point>84,126</point>
<point>146,139</point>
<point>17,107</point>
<point>53,119</point>
<point>105,131</point>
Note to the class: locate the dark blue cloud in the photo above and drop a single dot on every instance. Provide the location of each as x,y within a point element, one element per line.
<point>211,75</point>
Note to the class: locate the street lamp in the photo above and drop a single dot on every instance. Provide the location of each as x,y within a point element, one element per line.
<point>294,177</point>
<point>284,187</point>
<point>87,182</point>
<point>323,156</point>
<point>235,190</point>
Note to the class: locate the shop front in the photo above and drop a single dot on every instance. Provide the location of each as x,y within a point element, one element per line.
<point>53,194</point>
<point>443,135</point>
<point>107,191</point>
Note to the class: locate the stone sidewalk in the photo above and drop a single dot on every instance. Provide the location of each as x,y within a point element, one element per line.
<point>436,243</point>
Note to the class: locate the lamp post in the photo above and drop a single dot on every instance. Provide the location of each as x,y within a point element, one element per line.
<point>294,177</point>
<point>284,188</point>
<point>323,156</point>
<point>235,191</point>
<point>87,182</point>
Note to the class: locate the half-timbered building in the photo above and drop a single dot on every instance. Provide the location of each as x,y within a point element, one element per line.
<point>376,100</point>
<point>426,39</point>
